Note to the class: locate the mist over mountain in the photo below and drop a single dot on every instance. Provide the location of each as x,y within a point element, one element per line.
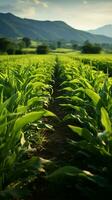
<point>103,30</point>
<point>12,26</point>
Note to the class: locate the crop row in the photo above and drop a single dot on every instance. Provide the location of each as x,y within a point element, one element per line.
<point>100,62</point>
<point>87,101</point>
<point>26,88</point>
<point>25,92</point>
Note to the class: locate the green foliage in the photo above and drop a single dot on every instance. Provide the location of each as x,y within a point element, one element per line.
<point>102,62</point>
<point>26,41</point>
<point>106,120</point>
<point>42,49</point>
<point>6,46</point>
<point>25,92</point>
<point>90,48</point>
<point>84,97</point>
<point>42,30</point>
<point>9,47</point>
<point>59,44</point>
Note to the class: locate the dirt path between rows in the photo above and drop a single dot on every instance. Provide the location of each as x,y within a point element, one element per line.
<point>56,149</point>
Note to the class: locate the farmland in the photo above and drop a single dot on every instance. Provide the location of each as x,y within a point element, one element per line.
<point>55,126</point>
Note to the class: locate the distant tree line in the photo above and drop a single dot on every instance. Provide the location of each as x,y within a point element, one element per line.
<point>10,47</point>
<point>16,47</point>
<point>87,48</point>
<point>19,46</point>
<point>42,49</point>
<point>90,48</point>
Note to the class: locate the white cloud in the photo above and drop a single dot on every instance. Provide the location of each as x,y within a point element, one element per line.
<point>85,2</point>
<point>35,2</point>
<point>45,5</point>
<point>82,14</point>
<point>29,13</point>
<point>29,8</point>
<point>86,16</point>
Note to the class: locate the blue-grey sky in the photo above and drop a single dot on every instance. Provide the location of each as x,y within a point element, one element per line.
<point>81,14</point>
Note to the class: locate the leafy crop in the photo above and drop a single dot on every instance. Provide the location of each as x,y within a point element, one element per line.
<point>25,92</point>
<point>82,90</point>
<point>86,99</point>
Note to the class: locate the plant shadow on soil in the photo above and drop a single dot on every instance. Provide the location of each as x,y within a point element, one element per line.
<point>60,153</point>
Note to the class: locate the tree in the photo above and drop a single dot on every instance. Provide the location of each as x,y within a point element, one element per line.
<point>26,41</point>
<point>4,45</point>
<point>42,49</point>
<point>97,48</point>
<point>20,44</point>
<point>7,46</point>
<point>11,50</point>
<point>74,46</point>
<point>90,48</point>
<point>59,44</point>
<point>52,45</point>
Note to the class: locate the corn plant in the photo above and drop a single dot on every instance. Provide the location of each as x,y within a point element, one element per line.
<point>86,98</point>
<point>25,92</point>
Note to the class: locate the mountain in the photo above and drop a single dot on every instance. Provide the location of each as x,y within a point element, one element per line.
<point>12,26</point>
<point>103,30</point>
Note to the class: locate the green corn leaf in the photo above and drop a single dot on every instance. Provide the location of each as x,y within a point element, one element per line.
<point>76,98</point>
<point>87,84</point>
<point>8,103</point>
<point>83,132</point>
<point>49,114</point>
<point>10,160</point>
<point>26,119</point>
<point>21,109</point>
<point>68,106</point>
<point>62,173</point>
<point>93,96</point>
<point>75,81</point>
<point>32,101</point>
<point>69,89</point>
<point>105,120</point>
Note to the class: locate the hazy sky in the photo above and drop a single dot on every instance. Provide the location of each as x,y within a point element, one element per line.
<point>81,14</point>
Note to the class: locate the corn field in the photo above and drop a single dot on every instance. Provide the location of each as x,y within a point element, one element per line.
<point>65,102</point>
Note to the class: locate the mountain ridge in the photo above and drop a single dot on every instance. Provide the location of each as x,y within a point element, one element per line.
<point>12,26</point>
<point>105,30</point>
